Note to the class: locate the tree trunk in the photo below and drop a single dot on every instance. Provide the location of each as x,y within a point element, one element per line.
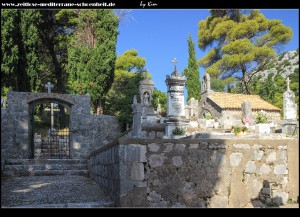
<point>245,80</point>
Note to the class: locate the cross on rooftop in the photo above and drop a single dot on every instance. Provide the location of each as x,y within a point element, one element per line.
<point>49,86</point>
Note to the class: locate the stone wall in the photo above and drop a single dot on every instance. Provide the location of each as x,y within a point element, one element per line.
<point>205,173</point>
<point>88,131</point>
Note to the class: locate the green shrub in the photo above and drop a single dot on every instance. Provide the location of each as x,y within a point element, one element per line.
<point>178,131</point>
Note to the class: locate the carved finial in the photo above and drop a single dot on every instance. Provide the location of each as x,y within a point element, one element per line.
<point>174,61</point>
<point>49,86</point>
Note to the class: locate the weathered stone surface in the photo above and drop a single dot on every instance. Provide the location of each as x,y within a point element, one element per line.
<point>282,147</point>
<point>250,167</point>
<point>137,171</point>
<point>194,146</point>
<point>241,146</point>
<point>235,159</point>
<point>218,202</point>
<point>257,155</point>
<point>178,205</point>
<point>177,161</point>
<point>156,160</point>
<point>280,169</point>
<point>271,156</point>
<point>153,147</point>
<point>257,146</point>
<point>264,169</point>
<point>168,147</point>
<point>180,147</point>
<point>154,197</point>
<point>218,158</point>
<point>280,197</point>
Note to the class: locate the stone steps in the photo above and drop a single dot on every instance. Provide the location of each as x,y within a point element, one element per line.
<point>97,204</point>
<point>45,167</point>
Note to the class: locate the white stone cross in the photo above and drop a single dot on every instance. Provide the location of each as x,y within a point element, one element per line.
<point>49,86</point>
<point>174,61</point>
<point>288,83</point>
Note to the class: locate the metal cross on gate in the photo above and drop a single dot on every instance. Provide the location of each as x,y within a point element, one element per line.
<point>49,86</point>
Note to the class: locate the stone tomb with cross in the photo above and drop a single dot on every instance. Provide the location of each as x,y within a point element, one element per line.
<point>175,102</point>
<point>289,123</point>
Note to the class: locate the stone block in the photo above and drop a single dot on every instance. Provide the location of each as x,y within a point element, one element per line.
<point>264,169</point>
<point>257,155</point>
<point>156,160</point>
<point>235,159</point>
<point>153,147</point>
<point>194,146</point>
<point>280,169</point>
<point>250,167</point>
<point>137,171</point>
<point>271,156</point>
<point>177,161</point>
<point>180,147</point>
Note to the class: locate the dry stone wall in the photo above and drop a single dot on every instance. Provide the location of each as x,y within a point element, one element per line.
<point>203,173</point>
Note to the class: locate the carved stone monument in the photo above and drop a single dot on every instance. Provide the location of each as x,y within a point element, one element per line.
<point>290,123</point>
<point>175,101</point>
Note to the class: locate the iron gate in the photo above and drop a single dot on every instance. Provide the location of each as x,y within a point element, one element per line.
<point>50,131</point>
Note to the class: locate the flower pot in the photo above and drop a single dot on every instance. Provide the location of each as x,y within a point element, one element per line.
<point>240,134</point>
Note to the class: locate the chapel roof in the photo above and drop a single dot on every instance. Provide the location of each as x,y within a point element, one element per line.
<point>234,101</point>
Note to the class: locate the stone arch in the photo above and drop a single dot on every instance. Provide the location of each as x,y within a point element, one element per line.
<point>204,111</point>
<point>41,98</point>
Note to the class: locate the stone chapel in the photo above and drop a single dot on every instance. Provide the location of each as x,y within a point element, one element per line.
<point>227,107</point>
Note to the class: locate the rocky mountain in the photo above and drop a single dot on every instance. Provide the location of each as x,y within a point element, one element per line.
<point>285,64</point>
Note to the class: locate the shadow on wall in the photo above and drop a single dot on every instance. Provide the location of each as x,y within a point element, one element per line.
<point>180,175</point>
<point>265,199</point>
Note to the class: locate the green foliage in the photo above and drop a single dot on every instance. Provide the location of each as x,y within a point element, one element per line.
<point>91,57</point>
<point>268,89</point>
<point>238,40</point>
<point>207,116</point>
<point>162,98</point>
<point>261,117</point>
<point>126,83</point>
<point>192,73</point>
<point>19,50</point>
<point>178,131</point>
<point>238,129</point>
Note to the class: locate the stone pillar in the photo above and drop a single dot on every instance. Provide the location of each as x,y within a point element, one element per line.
<point>290,123</point>
<point>175,102</point>
<point>137,118</point>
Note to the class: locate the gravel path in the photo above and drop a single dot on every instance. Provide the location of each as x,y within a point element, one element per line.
<point>43,190</point>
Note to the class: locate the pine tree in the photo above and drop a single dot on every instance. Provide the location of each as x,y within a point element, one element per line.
<point>240,41</point>
<point>128,74</point>
<point>192,73</point>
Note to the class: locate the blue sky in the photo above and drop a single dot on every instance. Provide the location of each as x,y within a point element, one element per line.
<point>161,35</point>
